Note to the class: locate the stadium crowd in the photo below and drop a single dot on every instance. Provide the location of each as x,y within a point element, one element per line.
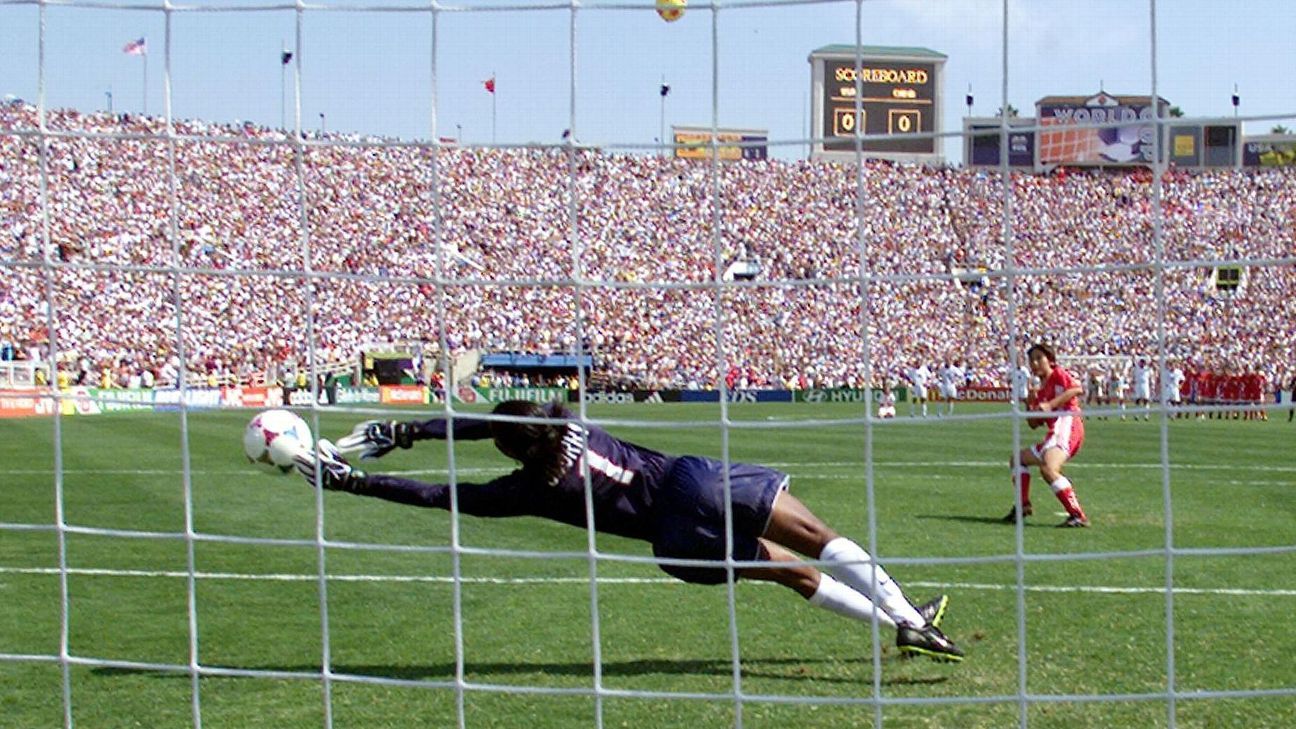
<point>343,245</point>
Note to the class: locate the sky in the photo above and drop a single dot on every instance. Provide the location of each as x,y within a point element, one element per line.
<point>371,68</point>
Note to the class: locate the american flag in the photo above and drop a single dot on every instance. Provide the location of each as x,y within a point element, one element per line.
<point>136,48</point>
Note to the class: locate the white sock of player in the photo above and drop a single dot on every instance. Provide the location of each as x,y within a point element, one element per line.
<point>838,598</point>
<point>852,565</point>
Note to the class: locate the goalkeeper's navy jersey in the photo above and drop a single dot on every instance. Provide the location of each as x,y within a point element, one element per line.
<point>677,503</point>
<point>623,477</point>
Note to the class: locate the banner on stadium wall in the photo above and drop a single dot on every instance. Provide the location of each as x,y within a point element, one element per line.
<point>252,397</point>
<point>736,395</point>
<point>845,394</point>
<point>80,401</point>
<point>402,395</point>
<point>500,394</point>
<point>621,397</point>
<point>196,399</point>
<point>25,403</point>
<point>358,395</point>
<point>109,401</point>
<point>985,394</point>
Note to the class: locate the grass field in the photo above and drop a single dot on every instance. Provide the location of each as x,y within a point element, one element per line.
<point>1095,602</point>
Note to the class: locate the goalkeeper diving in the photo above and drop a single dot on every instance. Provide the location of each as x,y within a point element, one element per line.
<point>675,503</point>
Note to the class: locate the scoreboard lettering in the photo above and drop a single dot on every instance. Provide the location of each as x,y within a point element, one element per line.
<point>879,98</point>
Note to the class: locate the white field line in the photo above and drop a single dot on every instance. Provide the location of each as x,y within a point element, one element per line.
<point>791,467</point>
<point>444,580</point>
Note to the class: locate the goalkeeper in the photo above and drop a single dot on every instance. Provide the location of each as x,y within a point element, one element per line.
<point>674,502</point>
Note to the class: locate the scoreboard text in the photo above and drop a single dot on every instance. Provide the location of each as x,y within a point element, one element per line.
<point>894,98</point>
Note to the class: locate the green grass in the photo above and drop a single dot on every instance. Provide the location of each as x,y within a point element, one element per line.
<point>939,487</point>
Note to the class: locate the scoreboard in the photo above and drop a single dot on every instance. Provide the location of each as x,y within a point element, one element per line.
<point>879,91</point>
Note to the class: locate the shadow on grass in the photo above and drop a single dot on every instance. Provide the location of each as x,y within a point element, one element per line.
<point>992,520</point>
<point>791,669</point>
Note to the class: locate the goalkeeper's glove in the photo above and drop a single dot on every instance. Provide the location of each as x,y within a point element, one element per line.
<point>334,473</point>
<point>377,438</point>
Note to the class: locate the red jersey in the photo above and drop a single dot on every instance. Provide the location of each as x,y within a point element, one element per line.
<point>1058,382</point>
<point>1065,431</point>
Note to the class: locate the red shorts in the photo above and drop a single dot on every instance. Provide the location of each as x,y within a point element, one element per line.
<point>1067,433</point>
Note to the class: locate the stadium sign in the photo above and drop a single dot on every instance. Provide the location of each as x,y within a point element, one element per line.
<point>1098,130</point>
<point>985,394</point>
<point>356,395</point>
<point>252,397</point>
<point>844,394</point>
<point>170,399</point>
<point>729,144</point>
<point>531,394</point>
<point>879,98</point>
<point>616,397</point>
<point>25,403</point>
<point>402,395</point>
<point>117,400</point>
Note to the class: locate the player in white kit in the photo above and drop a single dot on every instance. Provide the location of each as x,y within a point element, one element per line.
<point>918,377</point>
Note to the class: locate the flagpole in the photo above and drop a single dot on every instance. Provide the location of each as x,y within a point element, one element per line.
<point>145,54</point>
<point>661,124</point>
<point>493,98</point>
<point>283,82</point>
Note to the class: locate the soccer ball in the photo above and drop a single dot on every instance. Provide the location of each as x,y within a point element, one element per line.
<point>273,437</point>
<point>671,10</point>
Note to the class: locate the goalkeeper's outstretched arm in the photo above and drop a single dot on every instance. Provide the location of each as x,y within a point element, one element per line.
<point>377,438</point>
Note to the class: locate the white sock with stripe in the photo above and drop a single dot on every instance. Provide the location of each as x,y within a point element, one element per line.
<point>838,598</point>
<point>848,562</point>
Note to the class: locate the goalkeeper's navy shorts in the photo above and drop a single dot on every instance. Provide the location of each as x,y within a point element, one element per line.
<point>691,514</point>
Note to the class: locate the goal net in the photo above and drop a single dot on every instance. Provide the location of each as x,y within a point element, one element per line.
<point>495,186</point>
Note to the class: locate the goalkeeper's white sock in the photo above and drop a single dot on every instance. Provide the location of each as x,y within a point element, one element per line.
<point>838,598</point>
<point>848,562</point>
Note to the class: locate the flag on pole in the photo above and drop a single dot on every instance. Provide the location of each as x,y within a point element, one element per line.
<point>665,89</point>
<point>136,48</point>
<point>285,57</point>
<point>489,84</point>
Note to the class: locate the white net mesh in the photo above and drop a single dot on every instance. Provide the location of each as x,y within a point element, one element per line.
<point>211,249</point>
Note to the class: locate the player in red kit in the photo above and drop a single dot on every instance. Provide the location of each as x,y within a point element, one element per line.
<point>1058,393</point>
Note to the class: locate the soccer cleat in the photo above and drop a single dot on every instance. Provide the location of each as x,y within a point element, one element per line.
<point>1011,516</point>
<point>928,641</point>
<point>334,473</point>
<point>934,610</point>
<point>1074,522</point>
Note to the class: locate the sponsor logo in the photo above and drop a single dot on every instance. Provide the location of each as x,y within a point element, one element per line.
<point>987,394</point>
<point>532,394</point>
<point>400,394</point>
<point>204,398</point>
<point>353,395</point>
<point>24,403</point>
<point>615,398</point>
<point>741,395</point>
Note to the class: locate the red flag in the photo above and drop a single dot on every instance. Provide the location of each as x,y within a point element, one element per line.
<point>489,84</point>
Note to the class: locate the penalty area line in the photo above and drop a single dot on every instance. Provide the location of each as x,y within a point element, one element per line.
<point>446,580</point>
<point>793,467</point>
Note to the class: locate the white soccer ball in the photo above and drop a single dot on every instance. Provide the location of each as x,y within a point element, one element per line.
<point>273,437</point>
